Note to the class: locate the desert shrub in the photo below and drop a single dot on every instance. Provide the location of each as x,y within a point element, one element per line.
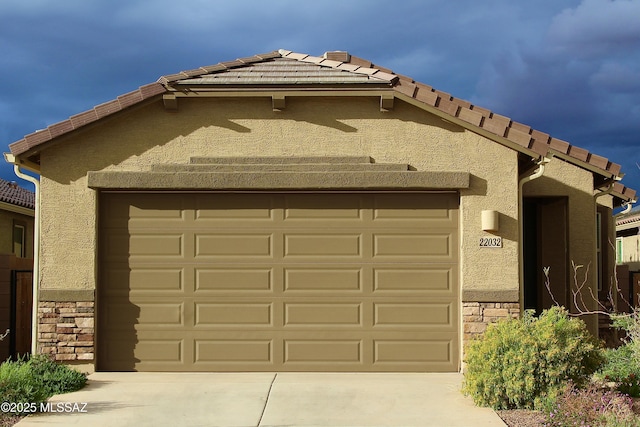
<point>17,383</point>
<point>591,407</point>
<point>622,365</point>
<point>526,363</point>
<point>36,379</point>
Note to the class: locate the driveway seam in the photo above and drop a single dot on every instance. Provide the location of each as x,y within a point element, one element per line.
<point>266,402</point>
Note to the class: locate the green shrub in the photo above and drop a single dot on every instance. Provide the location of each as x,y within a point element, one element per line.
<point>526,363</point>
<point>18,385</point>
<point>622,365</point>
<point>37,379</point>
<point>55,378</point>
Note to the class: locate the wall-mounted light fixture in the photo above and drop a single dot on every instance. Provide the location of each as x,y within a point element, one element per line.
<point>490,220</point>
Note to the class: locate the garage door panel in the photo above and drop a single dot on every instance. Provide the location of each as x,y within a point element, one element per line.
<point>432,279</point>
<point>234,245</point>
<point>268,282</point>
<point>156,279</point>
<point>316,279</point>
<point>326,352</point>
<point>163,314</point>
<point>160,350</point>
<point>322,245</point>
<point>158,245</point>
<point>125,281</point>
<point>397,351</point>
<point>332,314</point>
<point>418,245</point>
<point>420,315</point>
<point>230,313</point>
<point>247,278</point>
<point>233,352</point>
<point>133,315</point>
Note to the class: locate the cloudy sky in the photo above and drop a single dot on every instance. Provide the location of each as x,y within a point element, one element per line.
<point>570,68</point>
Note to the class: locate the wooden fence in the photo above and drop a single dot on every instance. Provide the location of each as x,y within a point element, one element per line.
<point>16,302</point>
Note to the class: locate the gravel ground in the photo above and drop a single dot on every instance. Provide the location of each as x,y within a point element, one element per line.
<point>521,418</point>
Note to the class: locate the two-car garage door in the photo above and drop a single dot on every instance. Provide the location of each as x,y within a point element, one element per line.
<point>278,282</point>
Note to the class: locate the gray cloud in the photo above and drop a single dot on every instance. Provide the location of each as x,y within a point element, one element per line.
<point>567,67</point>
<point>597,27</point>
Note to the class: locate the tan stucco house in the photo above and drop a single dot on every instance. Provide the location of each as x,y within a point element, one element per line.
<point>16,219</point>
<point>17,211</point>
<point>287,212</point>
<point>628,255</point>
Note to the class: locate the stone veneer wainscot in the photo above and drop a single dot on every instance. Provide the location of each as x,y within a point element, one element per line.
<point>476,316</point>
<point>66,329</point>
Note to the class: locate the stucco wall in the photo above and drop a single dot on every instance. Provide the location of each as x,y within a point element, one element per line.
<point>6,231</point>
<point>563,179</point>
<point>631,252</point>
<point>249,127</point>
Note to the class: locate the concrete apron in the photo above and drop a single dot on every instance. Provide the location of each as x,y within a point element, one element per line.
<point>268,399</point>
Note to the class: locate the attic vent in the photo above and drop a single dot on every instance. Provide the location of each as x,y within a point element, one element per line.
<point>338,55</point>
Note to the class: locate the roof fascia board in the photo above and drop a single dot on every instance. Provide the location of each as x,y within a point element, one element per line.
<point>23,163</point>
<point>629,225</point>
<point>492,136</point>
<point>584,165</point>
<point>256,93</point>
<point>4,206</point>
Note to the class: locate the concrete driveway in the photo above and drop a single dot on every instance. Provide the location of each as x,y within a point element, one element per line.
<point>266,399</point>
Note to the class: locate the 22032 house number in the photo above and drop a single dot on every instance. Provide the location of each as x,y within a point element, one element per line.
<point>491,242</point>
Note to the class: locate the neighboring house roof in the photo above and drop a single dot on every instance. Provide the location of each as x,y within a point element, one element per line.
<point>12,193</point>
<point>633,216</point>
<point>286,69</point>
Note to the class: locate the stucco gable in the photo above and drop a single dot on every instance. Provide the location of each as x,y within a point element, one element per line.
<point>285,69</point>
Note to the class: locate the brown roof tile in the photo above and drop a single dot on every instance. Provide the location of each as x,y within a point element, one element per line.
<point>518,136</point>
<point>84,118</point>
<point>107,108</point>
<point>426,95</point>
<point>462,103</point>
<point>407,88</point>
<point>470,116</point>
<point>559,145</point>
<point>540,136</point>
<point>496,124</point>
<point>539,147</point>
<point>520,127</point>
<point>151,90</point>
<point>60,128</point>
<point>578,153</point>
<point>449,107</point>
<point>129,99</point>
<point>481,110</point>
<point>12,193</point>
<point>614,168</point>
<point>598,161</point>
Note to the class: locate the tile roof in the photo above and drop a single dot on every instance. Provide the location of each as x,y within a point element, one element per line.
<point>630,217</point>
<point>284,67</point>
<point>283,71</point>
<point>12,193</point>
